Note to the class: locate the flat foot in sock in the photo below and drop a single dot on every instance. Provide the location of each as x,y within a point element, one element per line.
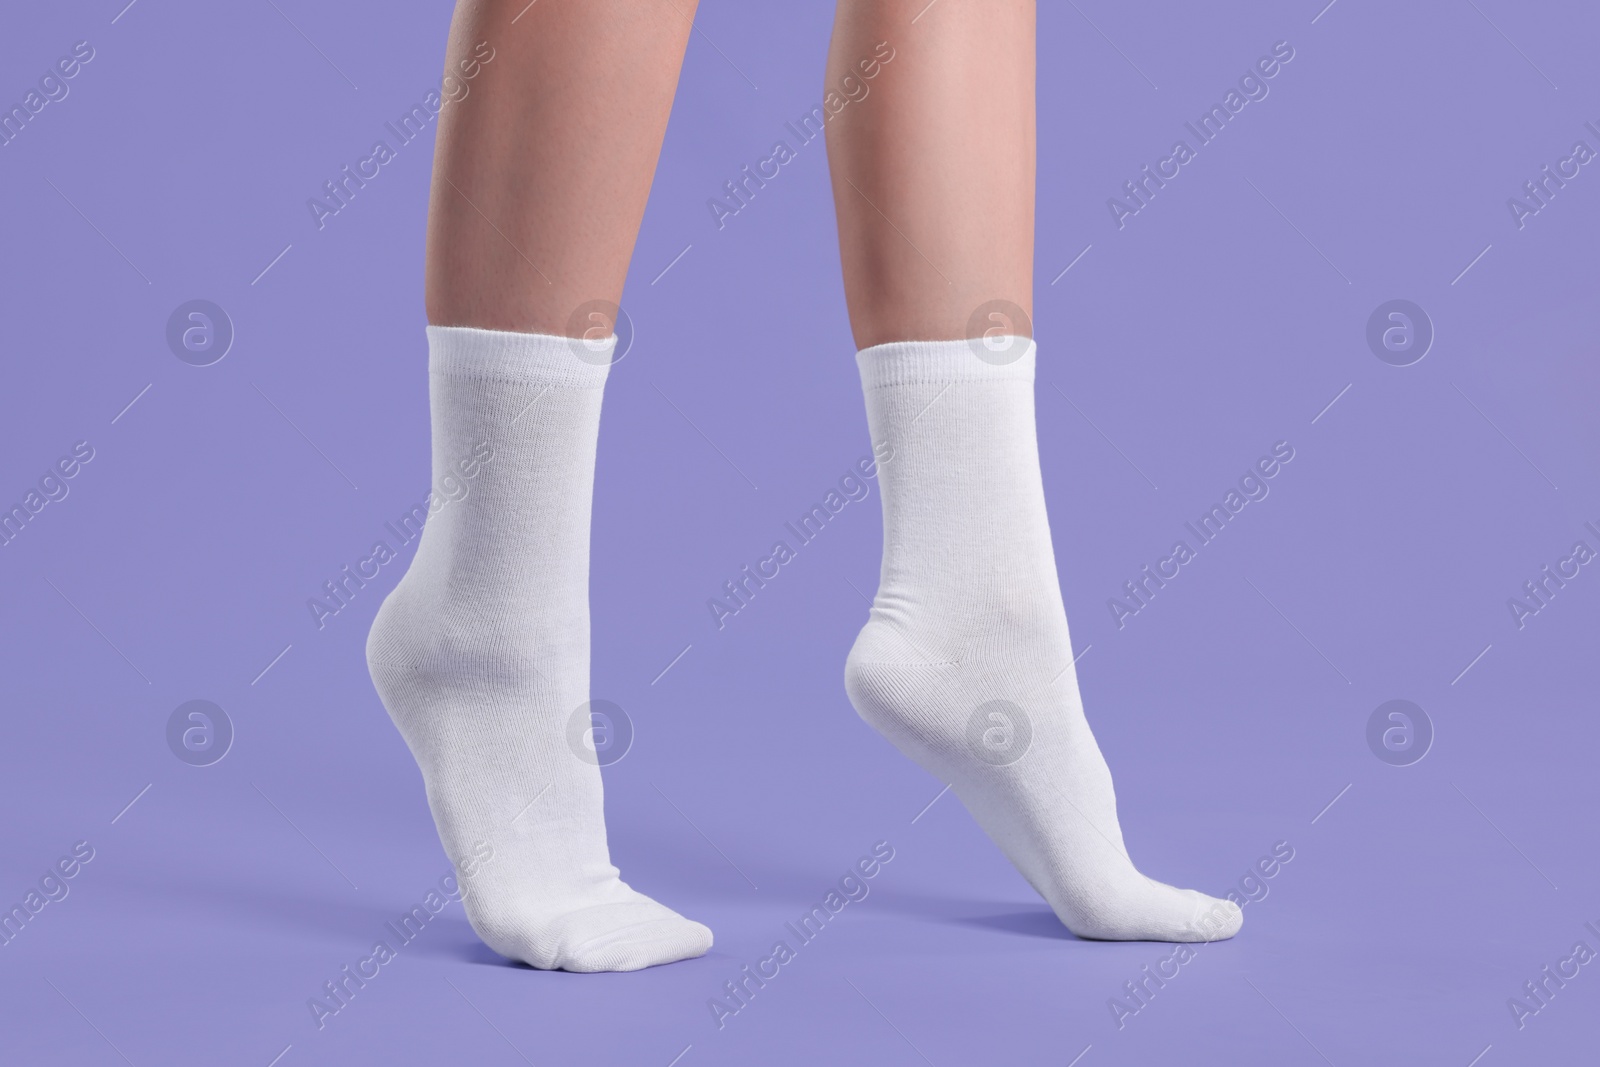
<point>481,656</point>
<point>966,664</point>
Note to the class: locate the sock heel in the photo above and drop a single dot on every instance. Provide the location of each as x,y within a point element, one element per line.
<point>902,694</point>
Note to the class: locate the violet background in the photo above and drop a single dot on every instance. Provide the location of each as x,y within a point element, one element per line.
<point>1208,328</point>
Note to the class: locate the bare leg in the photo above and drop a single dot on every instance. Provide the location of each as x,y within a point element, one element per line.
<point>542,172</point>
<point>481,652</point>
<point>933,175</point>
<point>966,663</point>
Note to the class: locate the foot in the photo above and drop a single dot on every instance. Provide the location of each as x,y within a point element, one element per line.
<point>966,663</point>
<point>481,655</point>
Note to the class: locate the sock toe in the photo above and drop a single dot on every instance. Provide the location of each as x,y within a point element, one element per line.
<point>663,936</point>
<point>1214,919</point>
<point>1156,911</point>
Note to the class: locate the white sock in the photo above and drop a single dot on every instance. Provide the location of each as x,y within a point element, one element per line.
<point>965,663</point>
<point>481,655</point>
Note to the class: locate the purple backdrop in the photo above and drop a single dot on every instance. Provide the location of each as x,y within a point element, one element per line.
<point>1228,312</point>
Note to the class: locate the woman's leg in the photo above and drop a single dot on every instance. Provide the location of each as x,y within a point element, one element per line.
<point>933,173</point>
<point>542,172</point>
<point>481,653</point>
<point>966,662</point>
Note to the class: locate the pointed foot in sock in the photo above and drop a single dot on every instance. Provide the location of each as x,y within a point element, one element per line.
<point>1163,913</point>
<point>625,936</point>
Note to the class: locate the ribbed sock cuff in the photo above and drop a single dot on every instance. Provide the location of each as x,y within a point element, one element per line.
<point>939,362</point>
<point>502,355</point>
